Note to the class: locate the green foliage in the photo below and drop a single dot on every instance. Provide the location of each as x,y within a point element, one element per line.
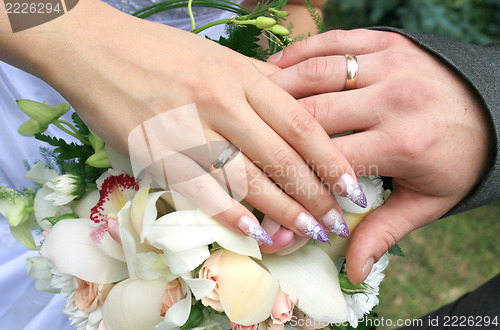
<point>396,251</point>
<point>70,157</point>
<point>474,21</point>
<point>244,40</point>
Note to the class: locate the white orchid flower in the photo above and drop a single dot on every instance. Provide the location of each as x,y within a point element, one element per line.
<point>310,278</point>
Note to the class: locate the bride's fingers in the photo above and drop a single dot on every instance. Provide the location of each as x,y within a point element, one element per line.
<point>323,74</point>
<point>403,212</point>
<point>335,42</point>
<point>310,149</point>
<point>185,176</point>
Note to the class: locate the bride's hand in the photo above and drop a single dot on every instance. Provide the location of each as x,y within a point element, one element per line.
<point>124,75</point>
<point>413,118</point>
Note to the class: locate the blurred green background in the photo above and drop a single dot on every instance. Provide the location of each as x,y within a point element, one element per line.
<point>455,255</point>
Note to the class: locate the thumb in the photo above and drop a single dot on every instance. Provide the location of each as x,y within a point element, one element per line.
<point>404,211</point>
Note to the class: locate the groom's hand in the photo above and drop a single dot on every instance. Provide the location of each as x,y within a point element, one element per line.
<point>413,118</point>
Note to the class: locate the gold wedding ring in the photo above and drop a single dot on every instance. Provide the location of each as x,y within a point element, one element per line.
<point>352,71</point>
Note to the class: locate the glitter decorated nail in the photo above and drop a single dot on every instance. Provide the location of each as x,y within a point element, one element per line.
<point>309,226</point>
<point>335,223</point>
<point>254,230</point>
<point>352,190</point>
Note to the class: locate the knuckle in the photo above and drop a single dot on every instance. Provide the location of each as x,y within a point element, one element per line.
<point>301,126</point>
<point>313,70</point>
<point>334,36</point>
<point>408,94</point>
<point>282,162</point>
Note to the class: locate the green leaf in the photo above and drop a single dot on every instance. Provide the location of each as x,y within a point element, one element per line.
<point>396,251</point>
<point>80,125</point>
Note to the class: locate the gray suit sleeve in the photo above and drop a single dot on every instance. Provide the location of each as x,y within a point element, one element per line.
<point>480,67</point>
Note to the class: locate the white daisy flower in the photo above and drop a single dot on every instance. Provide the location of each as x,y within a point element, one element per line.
<point>362,303</point>
<point>66,188</point>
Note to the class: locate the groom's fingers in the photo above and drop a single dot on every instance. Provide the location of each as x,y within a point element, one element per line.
<point>403,212</point>
<point>335,42</point>
<point>323,74</point>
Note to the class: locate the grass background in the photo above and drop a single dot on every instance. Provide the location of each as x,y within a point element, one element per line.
<point>454,255</point>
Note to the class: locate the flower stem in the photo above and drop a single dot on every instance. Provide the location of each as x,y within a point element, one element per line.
<point>73,132</point>
<point>191,16</point>
<point>214,23</point>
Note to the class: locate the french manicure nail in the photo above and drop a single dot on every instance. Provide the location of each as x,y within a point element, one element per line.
<point>309,226</point>
<point>254,230</point>
<point>367,268</point>
<point>352,190</point>
<point>335,223</point>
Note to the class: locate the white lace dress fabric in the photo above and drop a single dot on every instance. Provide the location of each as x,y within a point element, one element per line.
<point>21,305</point>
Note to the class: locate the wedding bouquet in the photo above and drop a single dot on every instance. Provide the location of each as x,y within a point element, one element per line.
<point>125,258</point>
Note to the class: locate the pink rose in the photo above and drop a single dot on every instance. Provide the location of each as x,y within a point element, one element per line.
<point>283,309</point>
<point>89,294</point>
<point>172,295</point>
<point>236,326</point>
<point>209,271</point>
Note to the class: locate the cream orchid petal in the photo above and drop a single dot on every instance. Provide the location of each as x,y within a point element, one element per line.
<point>148,211</point>
<point>107,244</point>
<point>129,238</point>
<point>71,250</point>
<point>41,174</point>
<point>118,161</point>
<point>200,287</point>
<point>373,193</point>
<point>228,239</point>
<point>181,262</point>
<point>179,231</point>
<point>81,207</point>
<point>252,302</point>
<point>134,304</point>
<point>178,314</point>
<point>46,209</point>
<point>310,279</point>
<point>149,266</point>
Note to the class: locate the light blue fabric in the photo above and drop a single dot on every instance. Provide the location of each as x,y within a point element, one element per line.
<point>21,305</point>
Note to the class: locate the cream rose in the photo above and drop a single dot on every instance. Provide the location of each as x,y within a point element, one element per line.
<point>209,271</point>
<point>88,295</point>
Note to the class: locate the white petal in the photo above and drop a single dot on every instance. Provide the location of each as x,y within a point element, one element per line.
<point>200,287</point>
<point>178,314</point>
<point>228,239</point>
<point>185,261</point>
<point>310,278</point>
<point>118,161</point>
<point>41,173</point>
<point>71,250</point>
<point>148,211</point>
<point>247,292</point>
<point>134,304</point>
<point>149,266</point>
<point>130,239</point>
<point>112,248</point>
<point>45,209</point>
<point>179,231</point>
<point>38,267</point>
<point>373,193</point>
<point>81,208</point>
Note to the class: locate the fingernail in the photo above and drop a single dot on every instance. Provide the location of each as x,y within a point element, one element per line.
<point>309,226</point>
<point>352,190</point>
<point>367,268</point>
<point>274,59</point>
<point>254,230</point>
<point>335,223</point>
